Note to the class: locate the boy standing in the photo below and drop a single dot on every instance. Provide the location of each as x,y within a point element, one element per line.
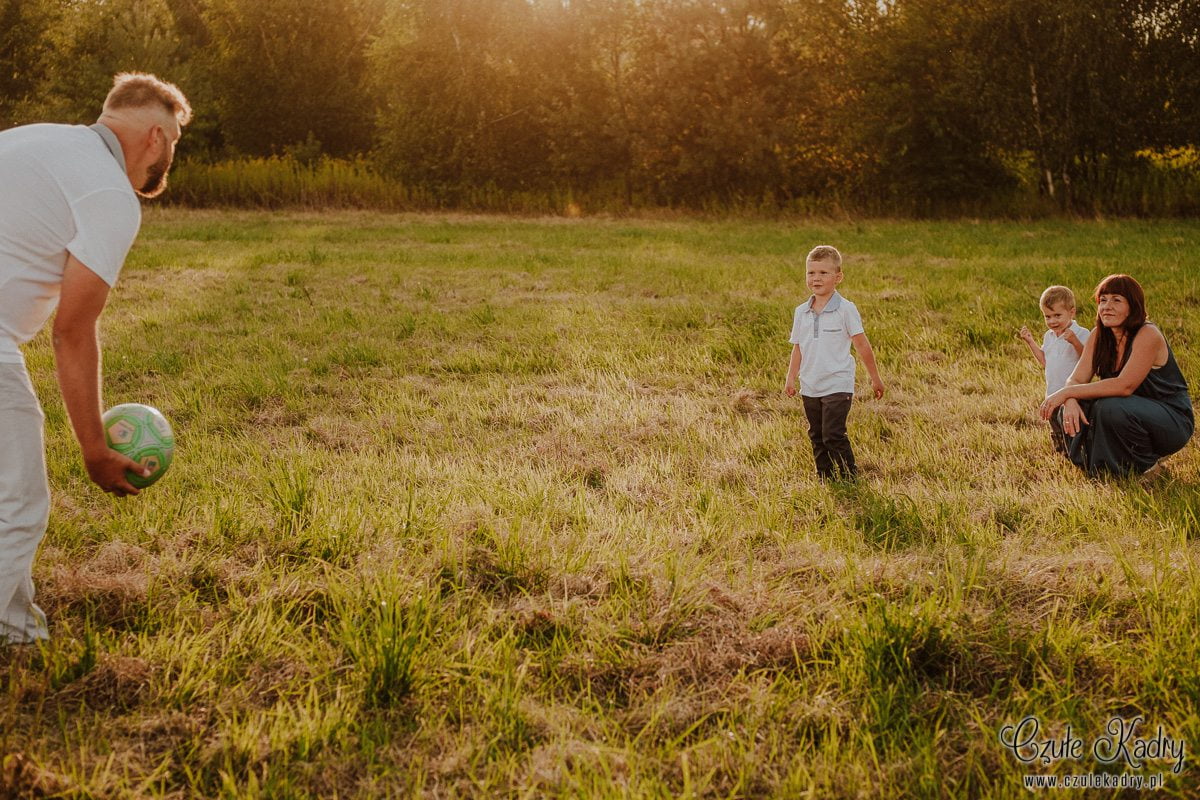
<point>823,328</point>
<point>1061,347</point>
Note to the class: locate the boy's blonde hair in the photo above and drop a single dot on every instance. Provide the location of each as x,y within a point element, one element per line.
<point>1055,295</point>
<point>825,252</point>
<point>142,90</point>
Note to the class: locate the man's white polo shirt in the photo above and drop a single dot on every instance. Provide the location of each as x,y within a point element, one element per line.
<point>63,190</point>
<point>826,366</point>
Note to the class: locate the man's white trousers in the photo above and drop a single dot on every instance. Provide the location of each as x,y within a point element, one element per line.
<point>24,504</point>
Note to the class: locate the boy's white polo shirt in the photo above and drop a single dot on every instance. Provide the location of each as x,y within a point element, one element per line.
<point>826,365</point>
<point>1061,357</point>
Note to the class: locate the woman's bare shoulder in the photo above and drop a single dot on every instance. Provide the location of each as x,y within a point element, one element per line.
<point>1150,336</point>
<point>1150,331</point>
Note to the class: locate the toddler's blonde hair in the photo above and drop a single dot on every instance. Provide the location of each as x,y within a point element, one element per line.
<point>1055,295</point>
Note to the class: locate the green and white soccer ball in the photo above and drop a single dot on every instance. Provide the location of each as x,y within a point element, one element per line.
<point>143,434</point>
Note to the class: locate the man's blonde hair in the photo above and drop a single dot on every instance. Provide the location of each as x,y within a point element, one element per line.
<point>825,252</point>
<point>1055,295</point>
<point>142,90</point>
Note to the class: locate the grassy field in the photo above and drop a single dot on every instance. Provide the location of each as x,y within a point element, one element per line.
<point>477,506</point>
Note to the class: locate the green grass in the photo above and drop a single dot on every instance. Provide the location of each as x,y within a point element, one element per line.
<point>478,506</point>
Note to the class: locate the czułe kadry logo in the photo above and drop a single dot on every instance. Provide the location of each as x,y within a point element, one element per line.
<point>1121,743</point>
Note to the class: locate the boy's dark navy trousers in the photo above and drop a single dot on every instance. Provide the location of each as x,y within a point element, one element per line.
<point>827,431</point>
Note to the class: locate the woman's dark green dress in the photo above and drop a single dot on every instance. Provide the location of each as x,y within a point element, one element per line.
<point>1127,435</point>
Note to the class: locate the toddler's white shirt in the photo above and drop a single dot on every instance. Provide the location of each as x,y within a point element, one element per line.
<point>1061,357</point>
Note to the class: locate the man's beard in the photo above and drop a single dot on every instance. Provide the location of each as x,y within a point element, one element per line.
<point>156,177</point>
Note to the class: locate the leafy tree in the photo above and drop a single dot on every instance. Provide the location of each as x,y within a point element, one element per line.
<point>918,105</point>
<point>1083,87</point>
<point>580,72</point>
<point>604,118</point>
<point>915,119</point>
<point>714,98</point>
<point>25,49</point>
<point>290,72</point>
<point>91,40</point>
<point>1168,75</point>
<point>463,93</point>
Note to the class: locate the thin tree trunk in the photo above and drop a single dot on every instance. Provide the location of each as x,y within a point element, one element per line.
<point>1047,175</point>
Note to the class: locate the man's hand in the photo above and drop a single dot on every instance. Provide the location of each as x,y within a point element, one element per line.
<point>877,387</point>
<point>789,388</point>
<point>107,470</point>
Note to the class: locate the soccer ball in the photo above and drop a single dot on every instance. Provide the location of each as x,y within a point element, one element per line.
<point>143,434</point>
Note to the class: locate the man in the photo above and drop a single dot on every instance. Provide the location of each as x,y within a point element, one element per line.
<point>68,216</point>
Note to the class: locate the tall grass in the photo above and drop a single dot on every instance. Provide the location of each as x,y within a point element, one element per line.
<point>285,182</point>
<point>486,506</point>
<point>329,183</point>
<point>1157,185</point>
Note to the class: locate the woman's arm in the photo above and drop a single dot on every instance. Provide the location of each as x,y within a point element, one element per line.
<point>1083,368</point>
<point>1143,350</point>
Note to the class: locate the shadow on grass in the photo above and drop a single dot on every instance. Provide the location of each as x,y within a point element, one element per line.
<point>1170,501</point>
<point>888,522</point>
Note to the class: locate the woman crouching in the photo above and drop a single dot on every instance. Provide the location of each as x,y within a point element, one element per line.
<point>1139,412</point>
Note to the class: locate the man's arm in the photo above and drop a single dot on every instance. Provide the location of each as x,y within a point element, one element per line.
<point>863,347</point>
<point>77,361</point>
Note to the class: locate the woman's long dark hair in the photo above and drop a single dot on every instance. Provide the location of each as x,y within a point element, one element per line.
<point>1104,357</point>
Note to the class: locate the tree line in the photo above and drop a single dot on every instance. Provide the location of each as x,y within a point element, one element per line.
<point>920,106</point>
